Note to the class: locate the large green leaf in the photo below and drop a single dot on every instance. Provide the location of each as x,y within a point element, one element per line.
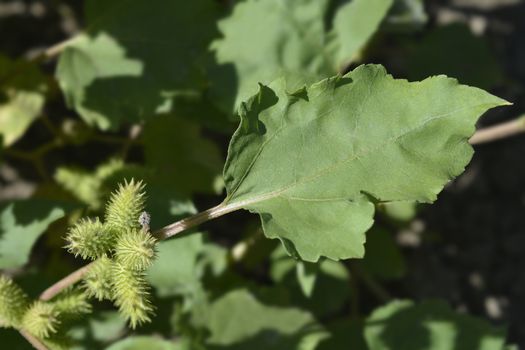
<point>239,321</point>
<point>135,57</point>
<point>311,162</point>
<point>22,95</point>
<point>300,39</point>
<point>430,325</point>
<point>21,223</point>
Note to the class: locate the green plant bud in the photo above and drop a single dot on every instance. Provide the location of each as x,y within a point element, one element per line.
<point>97,281</point>
<point>125,207</point>
<point>89,239</point>
<point>72,303</point>
<point>41,319</point>
<point>135,249</point>
<point>131,295</point>
<point>13,303</point>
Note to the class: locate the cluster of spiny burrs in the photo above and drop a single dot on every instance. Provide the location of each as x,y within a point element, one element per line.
<point>123,248</point>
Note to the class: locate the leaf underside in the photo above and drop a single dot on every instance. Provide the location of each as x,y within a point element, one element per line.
<point>313,162</point>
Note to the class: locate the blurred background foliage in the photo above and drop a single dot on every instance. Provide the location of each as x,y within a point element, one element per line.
<point>148,89</point>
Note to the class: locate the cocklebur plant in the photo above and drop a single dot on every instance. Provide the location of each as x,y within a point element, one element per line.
<point>125,207</point>
<point>98,279</point>
<point>89,239</point>
<point>13,303</point>
<point>42,319</point>
<point>123,248</point>
<point>351,141</point>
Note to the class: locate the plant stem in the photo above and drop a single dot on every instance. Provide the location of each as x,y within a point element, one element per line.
<point>37,344</point>
<point>65,282</point>
<point>499,131</point>
<point>52,51</point>
<point>163,233</point>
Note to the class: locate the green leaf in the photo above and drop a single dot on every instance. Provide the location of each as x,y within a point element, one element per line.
<point>178,278</point>
<point>147,342</point>
<point>400,211</point>
<point>193,256</point>
<point>21,223</point>
<point>306,276</point>
<point>22,95</point>
<point>100,328</point>
<point>299,39</point>
<point>406,15</point>
<point>331,278</point>
<point>430,325</point>
<point>354,25</point>
<point>239,321</point>
<point>311,162</point>
<point>135,58</point>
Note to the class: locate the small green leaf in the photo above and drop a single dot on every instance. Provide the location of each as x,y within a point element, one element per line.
<point>354,24</point>
<point>306,275</point>
<point>406,16</point>
<point>135,58</point>
<point>22,97</point>
<point>331,278</point>
<point>21,223</point>
<point>239,321</point>
<point>312,162</point>
<point>400,210</point>
<point>101,328</point>
<point>430,325</point>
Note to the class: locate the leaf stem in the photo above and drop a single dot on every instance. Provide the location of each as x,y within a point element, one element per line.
<point>499,131</point>
<point>197,219</point>
<point>52,51</point>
